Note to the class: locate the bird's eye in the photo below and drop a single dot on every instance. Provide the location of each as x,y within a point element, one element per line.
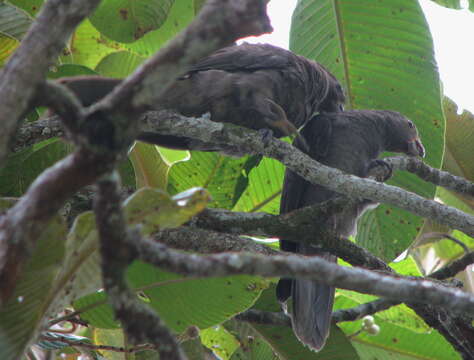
<point>410,124</point>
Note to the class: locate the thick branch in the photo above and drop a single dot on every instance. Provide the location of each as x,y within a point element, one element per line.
<point>209,242</point>
<point>435,176</point>
<point>311,170</point>
<point>141,324</point>
<point>305,225</point>
<point>27,68</point>
<point>365,281</point>
<point>33,132</point>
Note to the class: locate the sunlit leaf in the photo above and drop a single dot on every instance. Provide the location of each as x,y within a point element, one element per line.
<point>126,21</point>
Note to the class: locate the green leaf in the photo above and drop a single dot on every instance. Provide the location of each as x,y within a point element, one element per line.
<point>179,301</point>
<point>21,317</point>
<point>128,20</point>
<point>67,70</point>
<point>286,345</point>
<point>458,151</point>
<point>198,5</point>
<point>13,21</point>
<point>451,4</point>
<point>217,173</point>
<point>24,166</point>
<point>397,339</point>
<point>264,189</point>
<point>252,345</point>
<point>119,64</point>
<point>30,6</point>
<point>384,57</point>
<point>81,272</point>
<point>150,168</point>
<point>154,209</point>
<point>96,311</point>
<point>180,15</point>
<point>220,341</point>
<point>88,46</point>
<point>8,45</point>
<point>110,337</point>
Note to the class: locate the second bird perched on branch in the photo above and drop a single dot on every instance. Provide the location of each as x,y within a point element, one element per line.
<point>350,141</point>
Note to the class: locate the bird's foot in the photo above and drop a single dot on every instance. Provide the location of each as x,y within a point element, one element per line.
<point>380,170</point>
<point>266,135</point>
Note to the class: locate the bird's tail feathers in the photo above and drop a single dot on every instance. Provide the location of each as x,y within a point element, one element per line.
<point>311,315</point>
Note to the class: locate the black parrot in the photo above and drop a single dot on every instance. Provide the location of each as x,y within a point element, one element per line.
<point>258,86</point>
<point>350,141</point>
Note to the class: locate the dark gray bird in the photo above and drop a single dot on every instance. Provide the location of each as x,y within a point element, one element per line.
<point>350,141</point>
<point>258,86</point>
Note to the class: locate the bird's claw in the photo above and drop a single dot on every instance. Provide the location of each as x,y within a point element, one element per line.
<point>380,170</point>
<point>266,135</point>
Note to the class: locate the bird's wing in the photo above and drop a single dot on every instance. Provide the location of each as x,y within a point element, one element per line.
<point>245,57</point>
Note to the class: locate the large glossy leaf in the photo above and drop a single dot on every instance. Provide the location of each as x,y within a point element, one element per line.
<point>128,20</point>
<point>264,188</point>
<point>287,346</point>
<point>454,4</point>
<point>458,159</point>
<point>8,44</point>
<point>252,345</point>
<point>180,15</point>
<point>400,315</point>
<point>88,46</point>
<point>119,64</point>
<point>24,166</point>
<point>21,317</point>
<point>220,341</point>
<point>180,301</point>
<point>30,6</point>
<point>67,70</point>
<point>217,173</point>
<point>150,168</point>
<point>383,54</point>
<point>397,339</point>
<point>13,21</point>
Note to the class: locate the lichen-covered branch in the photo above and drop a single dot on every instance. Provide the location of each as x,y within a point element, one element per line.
<point>435,176</point>
<point>315,268</point>
<point>26,70</point>
<point>311,170</point>
<point>303,225</point>
<point>209,242</point>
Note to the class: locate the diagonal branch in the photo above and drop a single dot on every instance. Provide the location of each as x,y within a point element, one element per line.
<point>27,67</point>
<point>316,173</point>
<point>435,176</point>
<point>315,268</point>
<point>141,324</point>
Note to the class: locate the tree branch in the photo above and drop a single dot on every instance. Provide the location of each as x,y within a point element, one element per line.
<point>26,70</point>
<point>435,176</point>
<point>365,281</point>
<point>141,324</point>
<point>316,173</point>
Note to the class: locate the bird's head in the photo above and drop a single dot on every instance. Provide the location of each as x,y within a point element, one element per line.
<point>402,135</point>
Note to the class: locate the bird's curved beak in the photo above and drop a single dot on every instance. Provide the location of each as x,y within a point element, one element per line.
<point>416,148</point>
